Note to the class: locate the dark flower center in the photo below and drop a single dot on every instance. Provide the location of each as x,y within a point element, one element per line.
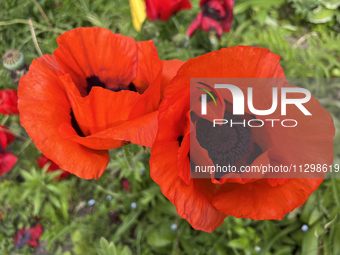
<point>75,125</point>
<point>226,144</point>
<point>94,81</point>
<point>23,239</point>
<point>213,13</point>
<point>180,140</point>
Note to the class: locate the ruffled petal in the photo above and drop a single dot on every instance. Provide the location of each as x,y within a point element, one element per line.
<point>88,52</point>
<point>44,106</point>
<point>140,131</point>
<point>258,200</point>
<point>7,162</point>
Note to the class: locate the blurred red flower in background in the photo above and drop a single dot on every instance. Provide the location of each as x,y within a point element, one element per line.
<point>7,159</point>
<point>164,9</point>
<point>205,202</point>
<point>216,15</point>
<point>43,160</point>
<point>30,236</point>
<point>98,91</point>
<point>126,184</point>
<point>8,102</point>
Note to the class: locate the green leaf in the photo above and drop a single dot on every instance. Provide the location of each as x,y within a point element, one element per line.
<point>321,15</point>
<point>310,242</point>
<point>239,243</point>
<point>54,189</point>
<point>331,4</point>
<point>126,251</point>
<point>76,236</point>
<point>37,202</point>
<point>158,239</point>
<point>26,175</point>
<point>314,216</point>
<point>127,223</point>
<point>307,208</point>
<point>55,201</point>
<point>106,248</point>
<point>336,238</point>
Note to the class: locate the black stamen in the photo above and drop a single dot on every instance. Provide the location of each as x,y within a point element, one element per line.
<point>180,140</point>
<point>131,87</point>
<point>225,144</point>
<point>212,13</point>
<point>75,125</point>
<point>92,82</point>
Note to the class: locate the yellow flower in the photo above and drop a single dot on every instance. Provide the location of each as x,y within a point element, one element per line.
<point>138,13</point>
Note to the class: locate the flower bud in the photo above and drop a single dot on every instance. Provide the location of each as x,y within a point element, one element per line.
<point>180,40</point>
<point>13,60</point>
<point>150,30</point>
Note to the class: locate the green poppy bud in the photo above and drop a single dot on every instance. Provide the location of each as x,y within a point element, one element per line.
<point>180,40</point>
<point>13,60</point>
<point>150,30</point>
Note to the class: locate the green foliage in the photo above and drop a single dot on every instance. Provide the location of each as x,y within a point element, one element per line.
<point>142,221</point>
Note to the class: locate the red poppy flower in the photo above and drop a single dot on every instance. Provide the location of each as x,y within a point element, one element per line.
<point>126,184</point>
<point>98,91</point>
<point>7,159</point>
<point>216,16</point>
<point>205,202</point>
<point>30,236</point>
<point>43,160</point>
<point>8,102</point>
<point>164,9</point>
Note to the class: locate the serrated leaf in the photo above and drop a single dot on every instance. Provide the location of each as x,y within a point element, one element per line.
<point>54,189</point>
<point>55,201</point>
<point>26,175</point>
<point>37,202</point>
<point>106,248</point>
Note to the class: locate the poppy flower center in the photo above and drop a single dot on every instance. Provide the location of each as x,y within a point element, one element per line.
<point>227,144</point>
<point>213,13</point>
<point>75,125</point>
<point>94,81</point>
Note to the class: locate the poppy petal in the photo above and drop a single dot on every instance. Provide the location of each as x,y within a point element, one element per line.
<point>8,102</point>
<point>50,62</point>
<point>149,65</point>
<point>88,52</point>
<point>170,69</point>
<point>191,203</point>
<point>101,109</point>
<point>258,200</point>
<point>7,162</point>
<point>43,107</point>
<point>140,131</point>
<point>196,24</point>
